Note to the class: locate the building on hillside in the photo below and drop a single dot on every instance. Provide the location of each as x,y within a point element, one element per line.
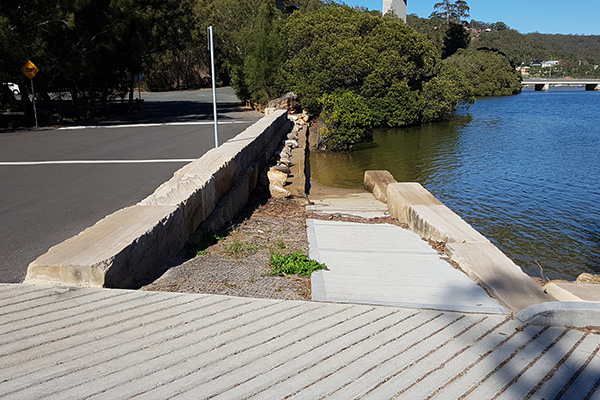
<point>545,64</point>
<point>399,8</point>
<point>525,71</point>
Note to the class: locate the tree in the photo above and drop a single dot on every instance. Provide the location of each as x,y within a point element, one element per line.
<point>289,6</point>
<point>457,12</point>
<point>346,119</point>
<point>433,29</point>
<point>93,48</point>
<point>442,94</point>
<point>178,58</point>
<point>457,37</point>
<point>341,48</point>
<point>396,72</point>
<point>489,73</point>
<point>462,11</point>
<point>255,78</point>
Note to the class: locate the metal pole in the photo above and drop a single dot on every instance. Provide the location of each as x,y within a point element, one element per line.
<point>214,90</point>
<point>34,108</point>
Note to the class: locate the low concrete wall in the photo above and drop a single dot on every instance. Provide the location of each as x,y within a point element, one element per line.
<point>412,204</point>
<point>128,244</point>
<point>575,314</point>
<point>377,182</point>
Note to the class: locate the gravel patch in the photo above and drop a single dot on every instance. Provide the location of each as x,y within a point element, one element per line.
<point>235,262</point>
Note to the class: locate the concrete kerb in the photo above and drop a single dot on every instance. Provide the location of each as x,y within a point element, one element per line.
<point>498,274</point>
<point>377,182</point>
<point>574,291</point>
<point>412,204</point>
<point>560,313</point>
<point>115,251</point>
<point>402,196</point>
<point>129,243</point>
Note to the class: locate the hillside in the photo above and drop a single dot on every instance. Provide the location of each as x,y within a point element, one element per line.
<point>579,55</point>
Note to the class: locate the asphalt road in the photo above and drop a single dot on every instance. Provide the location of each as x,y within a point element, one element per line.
<point>56,182</point>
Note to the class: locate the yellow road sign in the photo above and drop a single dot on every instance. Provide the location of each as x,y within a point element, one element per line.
<point>29,69</point>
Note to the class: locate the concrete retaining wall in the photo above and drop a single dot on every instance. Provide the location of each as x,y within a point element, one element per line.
<point>412,204</point>
<point>128,244</point>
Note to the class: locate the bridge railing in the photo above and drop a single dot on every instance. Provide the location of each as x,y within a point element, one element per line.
<point>544,85</point>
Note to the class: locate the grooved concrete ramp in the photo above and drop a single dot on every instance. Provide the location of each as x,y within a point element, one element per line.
<point>86,343</point>
<point>385,264</point>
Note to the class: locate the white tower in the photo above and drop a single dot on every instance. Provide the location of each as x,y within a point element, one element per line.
<point>398,6</point>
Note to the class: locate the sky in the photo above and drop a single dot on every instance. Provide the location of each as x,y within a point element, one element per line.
<point>577,17</point>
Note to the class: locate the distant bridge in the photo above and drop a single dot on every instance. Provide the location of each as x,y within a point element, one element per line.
<point>542,85</point>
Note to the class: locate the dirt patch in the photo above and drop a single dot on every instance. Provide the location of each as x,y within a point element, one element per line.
<point>235,262</point>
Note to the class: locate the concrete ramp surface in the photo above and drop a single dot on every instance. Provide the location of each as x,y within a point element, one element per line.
<point>83,343</point>
<point>387,265</point>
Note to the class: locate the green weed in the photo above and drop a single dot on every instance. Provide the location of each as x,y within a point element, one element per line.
<point>196,249</point>
<point>294,264</point>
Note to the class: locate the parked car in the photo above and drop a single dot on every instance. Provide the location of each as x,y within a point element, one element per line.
<point>13,87</point>
<point>10,95</point>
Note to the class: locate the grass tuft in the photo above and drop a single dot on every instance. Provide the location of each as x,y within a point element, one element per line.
<point>240,249</point>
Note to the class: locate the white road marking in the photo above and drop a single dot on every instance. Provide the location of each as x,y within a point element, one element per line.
<point>72,162</point>
<point>188,123</point>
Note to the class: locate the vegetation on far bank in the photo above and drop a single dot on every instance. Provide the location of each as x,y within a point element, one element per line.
<point>579,55</point>
<point>359,70</point>
<point>355,68</point>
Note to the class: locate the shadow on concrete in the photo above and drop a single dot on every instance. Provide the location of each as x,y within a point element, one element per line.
<point>154,107</point>
<point>203,239</point>
<point>525,361</point>
<point>172,112</point>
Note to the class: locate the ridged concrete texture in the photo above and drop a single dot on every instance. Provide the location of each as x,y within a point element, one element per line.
<point>84,343</point>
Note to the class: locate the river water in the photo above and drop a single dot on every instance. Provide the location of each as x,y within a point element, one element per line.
<point>524,170</point>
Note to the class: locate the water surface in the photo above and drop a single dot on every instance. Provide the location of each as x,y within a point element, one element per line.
<point>523,170</point>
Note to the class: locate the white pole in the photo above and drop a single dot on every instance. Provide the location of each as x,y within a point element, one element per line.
<point>34,108</point>
<point>214,90</point>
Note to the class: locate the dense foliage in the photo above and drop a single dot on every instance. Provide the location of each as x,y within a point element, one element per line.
<point>347,120</point>
<point>396,71</point>
<point>448,12</point>
<point>94,49</point>
<point>254,76</point>
<point>487,72</point>
<point>456,38</point>
<point>579,55</point>
<point>358,68</point>
<point>340,48</point>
